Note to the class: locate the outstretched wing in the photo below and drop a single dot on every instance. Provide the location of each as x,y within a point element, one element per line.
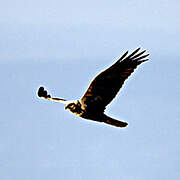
<point>106,85</point>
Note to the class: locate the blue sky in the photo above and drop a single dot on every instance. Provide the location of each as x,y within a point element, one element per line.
<point>63,45</point>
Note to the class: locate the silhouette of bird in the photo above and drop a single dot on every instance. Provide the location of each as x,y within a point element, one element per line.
<point>102,90</point>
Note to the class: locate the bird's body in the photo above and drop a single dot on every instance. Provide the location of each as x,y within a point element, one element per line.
<point>102,90</point>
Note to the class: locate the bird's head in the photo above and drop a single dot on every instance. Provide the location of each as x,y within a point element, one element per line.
<point>71,105</point>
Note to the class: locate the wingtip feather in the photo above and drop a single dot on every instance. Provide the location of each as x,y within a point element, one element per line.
<point>139,58</point>
<point>123,56</point>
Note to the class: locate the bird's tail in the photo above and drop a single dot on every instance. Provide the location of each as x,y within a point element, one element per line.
<point>114,122</point>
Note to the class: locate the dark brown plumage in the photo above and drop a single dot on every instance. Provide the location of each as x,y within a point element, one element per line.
<point>103,89</point>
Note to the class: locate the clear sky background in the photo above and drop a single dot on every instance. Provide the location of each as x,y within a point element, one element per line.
<point>62,45</point>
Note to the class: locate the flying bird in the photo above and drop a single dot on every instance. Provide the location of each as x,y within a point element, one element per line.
<point>102,89</point>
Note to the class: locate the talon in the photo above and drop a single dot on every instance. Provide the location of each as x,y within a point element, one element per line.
<point>43,93</point>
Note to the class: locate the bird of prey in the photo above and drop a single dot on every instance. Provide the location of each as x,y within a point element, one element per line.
<point>102,89</point>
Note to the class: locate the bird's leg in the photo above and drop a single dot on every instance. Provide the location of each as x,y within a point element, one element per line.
<point>42,93</point>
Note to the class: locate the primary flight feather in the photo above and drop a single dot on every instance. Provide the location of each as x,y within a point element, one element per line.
<point>103,89</point>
